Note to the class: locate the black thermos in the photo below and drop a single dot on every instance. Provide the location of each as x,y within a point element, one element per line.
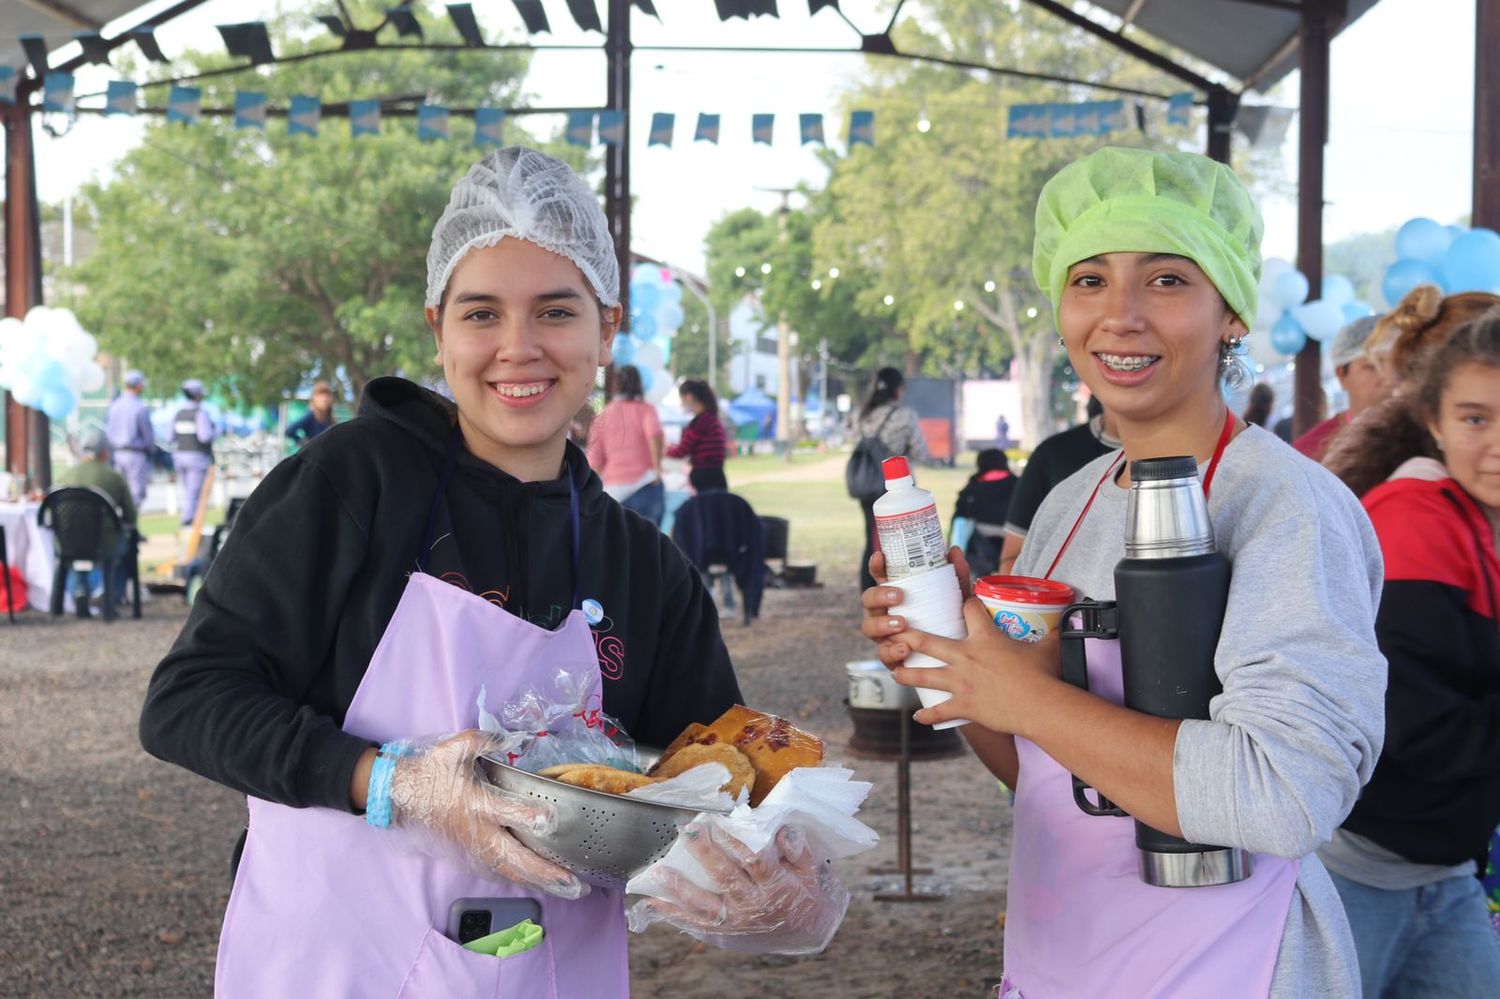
<point>1170,592</point>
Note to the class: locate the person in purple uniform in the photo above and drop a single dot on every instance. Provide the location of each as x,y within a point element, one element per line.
<point>194,433</point>
<point>131,440</point>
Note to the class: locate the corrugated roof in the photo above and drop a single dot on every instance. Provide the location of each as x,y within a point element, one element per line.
<point>55,20</point>
<point>1255,44</point>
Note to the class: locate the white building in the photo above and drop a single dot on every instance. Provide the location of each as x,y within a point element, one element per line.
<point>752,337</point>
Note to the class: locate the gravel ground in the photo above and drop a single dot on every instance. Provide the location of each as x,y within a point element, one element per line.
<point>114,866</point>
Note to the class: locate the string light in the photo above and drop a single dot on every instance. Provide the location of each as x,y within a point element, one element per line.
<point>817,285</point>
<point>923,125</point>
<point>1031,312</point>
<point>958,306</point>
<point>739,272</point>
<point>890,300</point>
<point>989,286</point>
<point>833,272</point>
<point>765,268</point>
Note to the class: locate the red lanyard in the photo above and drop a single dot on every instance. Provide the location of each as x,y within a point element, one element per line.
<point>1213,466</point>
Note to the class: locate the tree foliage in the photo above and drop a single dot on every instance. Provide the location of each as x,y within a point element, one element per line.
<point>256,260</point>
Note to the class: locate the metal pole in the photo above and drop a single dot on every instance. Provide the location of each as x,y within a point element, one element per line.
<point>1313,135</point>
<point>713,334</point>
<point>1223,105</point>
<point>27,435</point>
<point>1486,115</point>
<point>617,157</point>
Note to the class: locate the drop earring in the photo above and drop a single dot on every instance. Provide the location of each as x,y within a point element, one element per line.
<point>1062,343</point>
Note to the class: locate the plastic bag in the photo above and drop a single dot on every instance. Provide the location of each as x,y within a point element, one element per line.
<point>560,720</point>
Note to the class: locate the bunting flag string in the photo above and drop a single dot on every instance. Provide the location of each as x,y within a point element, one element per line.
<point>1178,108</point>
<point>364,118</point>
<point>121,98</point>
<point>861,128</point>
<point>304,115</point>
<point>1060,121</point>
<point>250,110</point>
<point>612,127</point>
<point>489,127</point>
<point>708,128</point>
<point>432,123</point>
<point>580,128</point>
<point>761,127</point>
<point>185,105</point>
<point>661,129</point>
<point>811,128</point>
<point>57,92</point>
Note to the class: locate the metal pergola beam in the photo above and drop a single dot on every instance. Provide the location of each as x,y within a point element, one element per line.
<point>1317,32</point>
<point>1486,115</point>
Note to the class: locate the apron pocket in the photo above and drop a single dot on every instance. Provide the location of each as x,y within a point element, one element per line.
<point>444,970</point>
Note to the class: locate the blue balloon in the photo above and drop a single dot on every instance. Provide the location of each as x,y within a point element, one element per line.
<point>1456,231</point>
<point>672,294</point>
<point>669,317</point>
<point>644,298</point>
<point>646,379</point>
<point>644,328</point>
<point>1319,320</point>
<point>1472,263</point>
<point>624,349</point>
<point>1356,310</point>
<point>1404,275</point>
<point>57,401</point>
<point>1338,289</point>
<point>1290,289</point>
<point>666,351</point>
<point>1286,336</point>
<point>1422,239</point>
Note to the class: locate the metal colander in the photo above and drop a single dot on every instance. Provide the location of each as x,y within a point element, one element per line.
<point>605,839</point>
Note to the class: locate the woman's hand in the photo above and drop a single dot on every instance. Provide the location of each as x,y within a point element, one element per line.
<point>437,788</point>
<point>880,601</point>
<point>782,900</point>
<point>996,681</point>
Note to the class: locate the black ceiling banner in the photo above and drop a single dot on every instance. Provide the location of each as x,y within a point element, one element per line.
<point>585,15</point>
<point>533,16</point>
<point>249,40</point>
<point>462,15</point>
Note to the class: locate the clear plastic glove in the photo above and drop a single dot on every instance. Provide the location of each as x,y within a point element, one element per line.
<point>436,787</point>
<point>782,900</point>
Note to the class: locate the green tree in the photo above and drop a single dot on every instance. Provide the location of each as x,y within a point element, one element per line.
<point>939,222</point>
<point>258,259</point>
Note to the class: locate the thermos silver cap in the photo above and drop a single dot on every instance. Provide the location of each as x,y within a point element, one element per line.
<point>1166,514</point>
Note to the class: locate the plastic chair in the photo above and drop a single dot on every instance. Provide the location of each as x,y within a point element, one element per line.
<point>80,518</point>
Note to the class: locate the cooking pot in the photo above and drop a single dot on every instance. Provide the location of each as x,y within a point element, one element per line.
<point>871,687</point>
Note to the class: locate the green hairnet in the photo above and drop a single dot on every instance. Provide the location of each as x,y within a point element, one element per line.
<point>1142,201</point>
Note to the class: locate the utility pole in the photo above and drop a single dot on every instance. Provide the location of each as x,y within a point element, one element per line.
<point>785,437</point>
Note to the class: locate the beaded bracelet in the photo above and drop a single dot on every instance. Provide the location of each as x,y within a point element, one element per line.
<point>378,796</point>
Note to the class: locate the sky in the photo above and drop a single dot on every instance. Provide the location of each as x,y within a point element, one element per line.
<point>1400,142</point>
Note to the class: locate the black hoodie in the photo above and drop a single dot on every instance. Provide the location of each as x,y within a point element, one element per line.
<point>254,691</point>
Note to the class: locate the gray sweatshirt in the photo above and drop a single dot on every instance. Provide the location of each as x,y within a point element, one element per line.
<point>1298,728</point>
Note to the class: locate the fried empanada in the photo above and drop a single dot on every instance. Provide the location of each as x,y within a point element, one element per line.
<point>741,773</point>
<point>596,777</point>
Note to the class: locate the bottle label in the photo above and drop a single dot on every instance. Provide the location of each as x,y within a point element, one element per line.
<point>912,543</point>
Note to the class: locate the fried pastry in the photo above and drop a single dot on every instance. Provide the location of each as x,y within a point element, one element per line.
<point>741,773</point>
<point>597,777</point>
<point>773,745</point>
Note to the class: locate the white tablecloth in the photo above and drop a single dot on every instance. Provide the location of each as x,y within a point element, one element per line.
<point>29,548</point>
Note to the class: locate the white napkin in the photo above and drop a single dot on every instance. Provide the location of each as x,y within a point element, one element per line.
<point>819,801</point>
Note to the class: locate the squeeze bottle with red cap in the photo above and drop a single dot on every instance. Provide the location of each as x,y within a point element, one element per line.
<point>907,527</point>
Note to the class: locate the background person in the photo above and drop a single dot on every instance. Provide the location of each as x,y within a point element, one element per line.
<point>194,433</point>
<point>1405,860</point>
<point>1258,409</point>
<point>703,442</point>
<point>1379,440</point>
<point>899,431</point>
<point>131,439</point>
<point>985,499</point>
<point>1151,261</point>
<point>316,666</point>
<point>318,418</point>
<point>1361,380</point>
<point>1054,459</point>
<point>94,470</point>
<point>625,448</point>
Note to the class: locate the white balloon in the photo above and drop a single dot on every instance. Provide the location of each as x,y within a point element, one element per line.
<point>648,355</point>
<point>25,390</point>
<point>82,347</point>
<point>93,380</point>
<point>1271,268</point>
<point>659,388</point>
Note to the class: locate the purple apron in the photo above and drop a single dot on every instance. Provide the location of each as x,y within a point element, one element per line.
<point>325,905</point>
<point>1079,919</point>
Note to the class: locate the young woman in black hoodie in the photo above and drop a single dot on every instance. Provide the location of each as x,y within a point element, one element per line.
<point>329,671</point>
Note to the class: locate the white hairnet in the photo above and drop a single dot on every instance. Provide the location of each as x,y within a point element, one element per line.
<point>528,195</point>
